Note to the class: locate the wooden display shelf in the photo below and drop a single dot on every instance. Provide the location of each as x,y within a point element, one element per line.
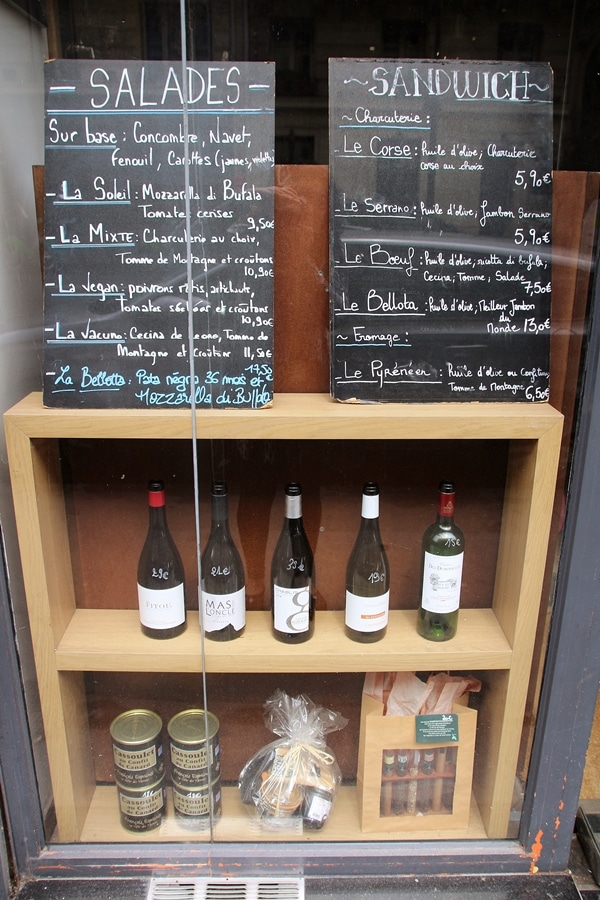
<point>111,641</point>
<point>295,417</point>
<point>68,641</point>
<point>237,824</point>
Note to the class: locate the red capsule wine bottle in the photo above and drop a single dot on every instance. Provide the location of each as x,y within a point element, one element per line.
<point>293,575</point>
<point>160,576</point>
<point>223,585</point>
<point>443,552</point>
<point>368,576</point>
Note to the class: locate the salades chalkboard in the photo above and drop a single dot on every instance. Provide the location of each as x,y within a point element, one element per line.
<point>158,234</point>
<point>440,221</point>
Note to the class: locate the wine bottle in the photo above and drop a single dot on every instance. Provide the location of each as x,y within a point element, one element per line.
<point>222,581</point>
<point>160,577</point>
<point>293,575</point>
<point>443,552</point>
<point>367,576</point>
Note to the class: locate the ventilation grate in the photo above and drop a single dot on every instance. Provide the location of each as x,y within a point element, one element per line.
<point>226,889</point>
<point>171,889</point>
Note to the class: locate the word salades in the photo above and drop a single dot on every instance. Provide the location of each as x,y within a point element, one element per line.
<point>158,234</point>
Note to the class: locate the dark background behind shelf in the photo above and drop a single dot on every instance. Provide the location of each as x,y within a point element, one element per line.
<point>302,36</point>
<point>108,522</point>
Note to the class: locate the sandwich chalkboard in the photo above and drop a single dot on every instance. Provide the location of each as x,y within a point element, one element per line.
<point>158,234</point>
<point>440,230</point>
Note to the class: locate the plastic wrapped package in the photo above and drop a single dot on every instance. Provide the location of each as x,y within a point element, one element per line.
<point>296,775</point>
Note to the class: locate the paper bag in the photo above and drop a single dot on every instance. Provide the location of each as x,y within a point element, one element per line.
<point>405,785</point>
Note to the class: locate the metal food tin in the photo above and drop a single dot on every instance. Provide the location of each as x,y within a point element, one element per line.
<point>193,805</point>
<point>189,731</point>
<point>142,809</point>
<point>137,748</point>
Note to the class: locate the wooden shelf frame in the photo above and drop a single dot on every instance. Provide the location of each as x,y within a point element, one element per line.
<point>112,641</point>
<point>294,417</point>
<point>236,824</point>
<point>67,642</point>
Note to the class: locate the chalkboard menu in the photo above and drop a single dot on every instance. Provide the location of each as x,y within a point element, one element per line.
<point>158,234</point>
<point>440,221</point>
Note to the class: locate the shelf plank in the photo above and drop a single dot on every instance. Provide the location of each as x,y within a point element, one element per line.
<point>295,416</point>
<point>111,641</point>
<point>236,824</point>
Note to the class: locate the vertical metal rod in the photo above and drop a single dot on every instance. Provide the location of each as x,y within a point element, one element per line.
<point>192,369</point>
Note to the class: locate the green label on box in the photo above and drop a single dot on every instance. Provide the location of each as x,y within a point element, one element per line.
<point>438,728</point>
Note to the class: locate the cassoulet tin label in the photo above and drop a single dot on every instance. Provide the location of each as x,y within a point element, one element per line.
<point>137,748</point>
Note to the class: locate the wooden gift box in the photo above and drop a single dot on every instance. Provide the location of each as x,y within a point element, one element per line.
<point>446,792</point>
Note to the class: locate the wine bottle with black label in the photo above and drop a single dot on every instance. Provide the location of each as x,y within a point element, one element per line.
<point>223,585</point>
<point>160,576</point>
<point>293,575</point>
<point>443,553</point>
<point>368,576</point>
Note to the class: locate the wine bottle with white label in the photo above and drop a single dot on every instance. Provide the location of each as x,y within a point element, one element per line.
<point>160,575</point>
<point>443,553</point>
<point>368,576</point>
<point>223,585</point>
<point>293,575</point>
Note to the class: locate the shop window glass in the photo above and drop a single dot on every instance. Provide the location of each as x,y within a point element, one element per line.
<point>103,478</point>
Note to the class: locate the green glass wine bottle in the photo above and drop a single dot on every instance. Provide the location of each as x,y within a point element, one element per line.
<point>443,553</point>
